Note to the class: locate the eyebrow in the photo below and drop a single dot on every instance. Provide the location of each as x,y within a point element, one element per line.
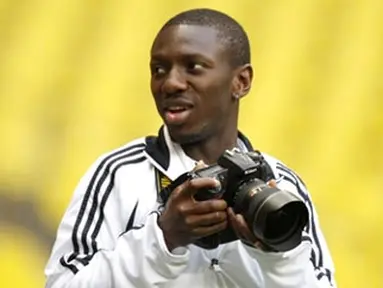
<point>159,57</point>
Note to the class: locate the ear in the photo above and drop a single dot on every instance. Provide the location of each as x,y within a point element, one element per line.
<point>242,81</point>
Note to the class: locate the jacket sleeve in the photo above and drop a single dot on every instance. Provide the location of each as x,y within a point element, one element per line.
<point>308,265</point>
<point>95,248</point>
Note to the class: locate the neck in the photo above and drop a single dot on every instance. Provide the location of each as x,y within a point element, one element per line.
<point>210,149</point>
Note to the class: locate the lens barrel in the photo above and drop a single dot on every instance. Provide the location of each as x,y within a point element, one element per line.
<point>276,217</point>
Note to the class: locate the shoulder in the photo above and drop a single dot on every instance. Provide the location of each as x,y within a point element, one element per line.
<point>137,144</point>
<point>131,152</point>
<point>281,169</point>
<point>285,176</point>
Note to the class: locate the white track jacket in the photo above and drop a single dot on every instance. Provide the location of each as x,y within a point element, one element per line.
<point>109,237</point>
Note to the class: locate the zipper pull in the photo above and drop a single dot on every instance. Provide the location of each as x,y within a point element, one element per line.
<point>214,265</point>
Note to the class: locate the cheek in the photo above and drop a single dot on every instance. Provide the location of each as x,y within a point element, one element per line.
<point>219,98</point>
<point>213,111</point>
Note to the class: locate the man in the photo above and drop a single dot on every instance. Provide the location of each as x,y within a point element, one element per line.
<point>113,233</point>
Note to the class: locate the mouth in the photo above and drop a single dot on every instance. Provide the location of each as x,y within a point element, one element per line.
<point>177,114</point>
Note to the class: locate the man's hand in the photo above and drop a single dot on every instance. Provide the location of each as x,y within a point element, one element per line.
<point>185,220</point>
<point>240,227</point>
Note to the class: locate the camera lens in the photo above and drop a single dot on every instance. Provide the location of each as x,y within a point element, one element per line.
<point>277,217</point>
<point>283,223</point>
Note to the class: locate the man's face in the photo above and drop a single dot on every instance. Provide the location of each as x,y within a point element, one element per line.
<point>192,82</point>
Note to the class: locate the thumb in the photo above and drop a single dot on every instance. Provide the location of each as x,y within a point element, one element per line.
<point>193,185</point>
<point>199,165</point>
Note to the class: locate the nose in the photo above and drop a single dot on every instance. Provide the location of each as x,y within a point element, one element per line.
<point>174,83</point>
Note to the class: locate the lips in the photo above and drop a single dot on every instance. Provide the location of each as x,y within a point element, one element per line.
<point>177,113</point>
<point>176,109</point>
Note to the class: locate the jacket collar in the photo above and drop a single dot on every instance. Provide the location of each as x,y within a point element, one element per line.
<point>168,156</point>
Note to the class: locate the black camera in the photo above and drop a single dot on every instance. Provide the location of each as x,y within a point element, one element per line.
<point>276,217</point>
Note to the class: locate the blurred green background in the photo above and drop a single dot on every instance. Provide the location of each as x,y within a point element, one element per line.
<point>74,83</point>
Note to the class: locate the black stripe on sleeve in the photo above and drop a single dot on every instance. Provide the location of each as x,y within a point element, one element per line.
<point>291,177</point>
<point>89,189</point>
<point>324,272</point>
<point>311,209</point>
<point>72,267</point>
<point>105,198</point>
<point>99,222</point>
<point>286,175</point>
<point>85,259</point>
<point>103,167</point>
<point>320,275</point>
<point>307,238</point>
<point>97,191</point>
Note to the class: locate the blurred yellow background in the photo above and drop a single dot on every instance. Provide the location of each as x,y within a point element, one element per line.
<point>74,83</point>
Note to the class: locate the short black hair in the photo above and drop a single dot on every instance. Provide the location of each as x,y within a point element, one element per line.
<point>229,30</point>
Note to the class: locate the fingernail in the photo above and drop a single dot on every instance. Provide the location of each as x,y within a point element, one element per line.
<point>199,163</point>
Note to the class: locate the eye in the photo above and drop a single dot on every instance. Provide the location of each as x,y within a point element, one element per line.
<point>158,70</point>
<point>195,67</point>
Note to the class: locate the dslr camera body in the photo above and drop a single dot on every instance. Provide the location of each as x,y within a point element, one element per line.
<point>276,217</point>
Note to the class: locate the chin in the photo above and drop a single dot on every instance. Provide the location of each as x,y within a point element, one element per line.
<point>186,138</point>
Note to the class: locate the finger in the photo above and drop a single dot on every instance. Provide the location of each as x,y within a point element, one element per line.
<point>208,206</point>
<point>206,219</point>
<point>240,226</point>
<point>244,229</point>
<point>241,232</point>
<point>203,183</point>
<point>233,222</point>
<point>179,190</point>
<point>258,245</point>
<point>272,183</point>
<point>209,230</point>
<point>191,187</point>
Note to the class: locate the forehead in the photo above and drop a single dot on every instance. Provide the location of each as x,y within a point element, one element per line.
<point>178,40</point>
